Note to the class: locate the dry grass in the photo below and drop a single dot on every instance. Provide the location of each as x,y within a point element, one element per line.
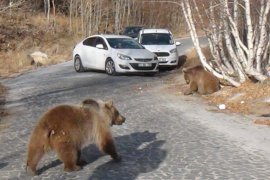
<point>22,34</point>
<point>262,122</point>
<point>249,98</point>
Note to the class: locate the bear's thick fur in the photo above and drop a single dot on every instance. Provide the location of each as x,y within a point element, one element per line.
<point>67,129</point>
<point>200,80</point>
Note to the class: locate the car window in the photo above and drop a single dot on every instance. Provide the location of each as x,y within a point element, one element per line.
<point>124,43</point>
<point>101,41</point>
<point>156,39</point>
<point>89,41</point>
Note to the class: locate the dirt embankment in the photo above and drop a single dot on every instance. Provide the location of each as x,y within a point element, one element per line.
<point>23,33</point>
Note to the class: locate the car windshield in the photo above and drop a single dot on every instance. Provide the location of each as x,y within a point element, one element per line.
<point>124,43</point>
<point>156,39</point>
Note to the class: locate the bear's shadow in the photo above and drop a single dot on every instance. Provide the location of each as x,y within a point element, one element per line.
<point>2,165</point>
<point>140,153</point>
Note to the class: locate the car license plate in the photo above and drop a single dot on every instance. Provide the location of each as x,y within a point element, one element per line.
<point>162,59</point>
<point>144,64</point>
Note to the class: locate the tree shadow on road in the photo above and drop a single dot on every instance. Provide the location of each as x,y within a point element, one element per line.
<point>141,153</point>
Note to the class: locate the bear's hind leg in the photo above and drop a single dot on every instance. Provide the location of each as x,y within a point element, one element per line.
<point>68,154</point>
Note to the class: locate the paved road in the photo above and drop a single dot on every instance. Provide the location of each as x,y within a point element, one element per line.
<point>165,136</point>
<point>186,44</point>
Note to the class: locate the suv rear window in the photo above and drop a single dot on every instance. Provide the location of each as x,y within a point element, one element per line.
<point>132,31</point>
<point>156,39</point>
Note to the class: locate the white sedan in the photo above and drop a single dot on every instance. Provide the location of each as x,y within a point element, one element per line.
<point>114,54</point>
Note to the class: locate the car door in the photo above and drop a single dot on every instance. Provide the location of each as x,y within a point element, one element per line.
<point>87,50</point>
<point>100,54</point>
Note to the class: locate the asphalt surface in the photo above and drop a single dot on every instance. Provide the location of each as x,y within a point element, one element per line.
<point>165,136</point>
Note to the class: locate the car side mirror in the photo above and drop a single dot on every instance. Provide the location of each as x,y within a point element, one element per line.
<point>178,43</point>
<point>100,46</point>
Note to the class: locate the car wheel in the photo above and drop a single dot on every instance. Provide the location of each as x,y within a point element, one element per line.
<point>78,64</point>
<point>110,67</point>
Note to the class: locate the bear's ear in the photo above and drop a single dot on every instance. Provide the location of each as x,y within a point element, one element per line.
<point>90,103</point>
<point>109,103</point>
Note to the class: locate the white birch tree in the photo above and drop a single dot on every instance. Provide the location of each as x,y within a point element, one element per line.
<point>238,52</point>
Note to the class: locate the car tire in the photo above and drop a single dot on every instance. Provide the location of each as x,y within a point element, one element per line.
<point>78,64</point>
<point>110,67</point>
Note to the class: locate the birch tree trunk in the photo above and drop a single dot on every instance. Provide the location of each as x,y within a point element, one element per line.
<point>187,13</point>
<point>70,16</point>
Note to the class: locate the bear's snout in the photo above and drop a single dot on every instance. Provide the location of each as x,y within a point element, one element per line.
<point>123,119</point>
<point>120,120</point>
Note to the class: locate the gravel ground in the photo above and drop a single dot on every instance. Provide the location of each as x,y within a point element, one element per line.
<point>166,136</point>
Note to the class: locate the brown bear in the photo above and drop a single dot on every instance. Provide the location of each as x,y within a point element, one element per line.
<point>200,80</point>
<point>67,129</point>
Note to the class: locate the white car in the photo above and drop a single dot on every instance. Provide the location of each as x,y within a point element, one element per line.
<point>160,42</point>
<point>114,54</point>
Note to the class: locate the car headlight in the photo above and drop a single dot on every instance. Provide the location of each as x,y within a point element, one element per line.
<point>155,58</point>
<point>173,50</point>
<point>123,57</point>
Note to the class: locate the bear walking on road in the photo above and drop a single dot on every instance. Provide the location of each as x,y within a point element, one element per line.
<point>68,129</point>
<point>200,80</point>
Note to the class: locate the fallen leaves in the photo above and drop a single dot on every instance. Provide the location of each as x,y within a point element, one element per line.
<point>262,122</point>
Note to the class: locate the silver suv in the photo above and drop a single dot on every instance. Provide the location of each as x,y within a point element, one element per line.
<point>160,42</point>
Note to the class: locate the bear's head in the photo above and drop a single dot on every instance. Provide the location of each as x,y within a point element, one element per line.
<point>106,109</point>
<point>192,72</point>
<point>113,113</point>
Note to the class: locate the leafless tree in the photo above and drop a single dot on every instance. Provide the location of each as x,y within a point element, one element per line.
<point>10,5</point>
<point>239,53</point>
<point>113,15</point>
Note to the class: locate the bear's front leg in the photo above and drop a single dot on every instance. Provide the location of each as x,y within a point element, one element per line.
<point>107,146</point>
<point>192,88</point>
<point>80,162</point>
